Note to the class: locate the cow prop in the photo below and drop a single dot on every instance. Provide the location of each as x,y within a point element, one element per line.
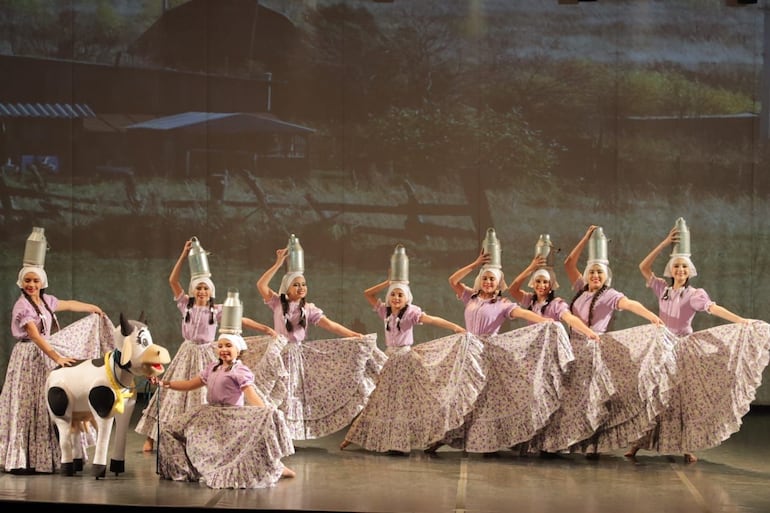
<point>102,390</point>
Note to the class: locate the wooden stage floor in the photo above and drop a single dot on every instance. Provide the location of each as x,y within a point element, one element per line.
<point>734,477</point>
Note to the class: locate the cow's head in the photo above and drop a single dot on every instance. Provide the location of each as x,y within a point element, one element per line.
<point>138,354</point>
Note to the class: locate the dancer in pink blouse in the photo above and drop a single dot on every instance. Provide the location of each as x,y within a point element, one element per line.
<point>199,316</point>
<point>616,386</point>
<point>423,390</point>
<point>522,365</point>
<point>28,442</point>
<point>232,441</point>
<point>718,369</point>
<point>329,381</point>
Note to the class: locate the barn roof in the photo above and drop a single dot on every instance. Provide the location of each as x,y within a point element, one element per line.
<point>222,123</point>
<point>46,110</point>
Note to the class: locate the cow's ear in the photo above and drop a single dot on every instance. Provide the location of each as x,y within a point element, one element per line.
<point>125,353</point>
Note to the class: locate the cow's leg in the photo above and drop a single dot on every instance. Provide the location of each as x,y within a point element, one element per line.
<point>78,436</point>
<point>101,399</point>
<point>59,408</point>
<point>99,465</point>
<point>64,426</point>
<point>122,421</point>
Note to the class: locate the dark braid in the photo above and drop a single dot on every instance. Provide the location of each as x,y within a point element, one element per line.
<point>498,294</point>
<point>54,320</point>
<point>211,306</point>
<point>550,297</point>
<point>388,313</point>
<point>670,287</point>
<point>285,307</point>
<point>593,302</point>
<point>190,303</point>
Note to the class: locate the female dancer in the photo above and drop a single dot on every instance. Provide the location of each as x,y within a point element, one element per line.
<point>200,317</point>
<point>231,441</point>
<point>329,381</point>
<point>719,369</point>
<point>523,366</point>
<point>28,442</point>
<point>423,390</point>
<point>616,387</point>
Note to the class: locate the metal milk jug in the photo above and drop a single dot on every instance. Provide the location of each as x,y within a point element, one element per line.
<point>399,265</point>
<point>35,248</point>
<point>544,249</point>
<point>232,313</point>
<point>491,246</point>
<point>198,260</point>
<point>597,245</point>
<point>683,246</point>
<point>296,259</point>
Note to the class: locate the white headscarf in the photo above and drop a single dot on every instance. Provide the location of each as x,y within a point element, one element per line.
<point>237,340</point>
<point>287,279</point>
<point>492,270</point>
<point>194,284</point>
<point>543,272</point>
<point>684,256</point>
<point>36,270</point>
<point>604,265</point>
<point>401,285</point>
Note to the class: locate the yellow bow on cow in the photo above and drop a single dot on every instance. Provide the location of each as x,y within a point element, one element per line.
<point>122,394</point>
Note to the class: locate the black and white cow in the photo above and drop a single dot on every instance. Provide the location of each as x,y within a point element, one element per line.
<point>102,390</point>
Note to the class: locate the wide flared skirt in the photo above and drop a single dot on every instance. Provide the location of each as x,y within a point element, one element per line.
<point>329,383</point>
<point>263,358</point>
<point>524,369</point>
<point>226,446</point>
<point>422,392</point>
<point>643,369</point>
<point>28,439</point>
<point>720,370</point>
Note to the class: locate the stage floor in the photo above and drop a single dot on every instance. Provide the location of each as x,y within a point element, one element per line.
<point>733,477</point>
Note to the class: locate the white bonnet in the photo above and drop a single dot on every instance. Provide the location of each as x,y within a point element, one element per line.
<point>403,286</point>
<point>237,340</point>
<point>498,273</point>
<point>201,279</point>
<point>604,265</point>
<point>32,269</point>
<point>684,256</point>
<point>287,279</point>
<point>543,272</point>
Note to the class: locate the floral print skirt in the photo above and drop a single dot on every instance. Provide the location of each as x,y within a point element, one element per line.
<point>524,374</point>
<point>422,392</point>
<point>28,439</point>
<point>225,446</point>
<point>719,371</point>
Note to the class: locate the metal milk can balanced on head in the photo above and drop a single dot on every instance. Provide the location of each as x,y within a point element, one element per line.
<point>295,260</point>
<point>35,248</point>
<point>232,313</point>
<point>198,260</point>
<point>491,247</point>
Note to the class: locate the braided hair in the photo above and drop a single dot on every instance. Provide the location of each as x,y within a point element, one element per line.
<point>191,302</point>
<point>54,320</point>
<point>550,297</point>
<point>389,313</point>
<point>593,302</point>
<point>285,307</point>
<point>498,294</point>
<point>666,296</point>
<point>220,363</point>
